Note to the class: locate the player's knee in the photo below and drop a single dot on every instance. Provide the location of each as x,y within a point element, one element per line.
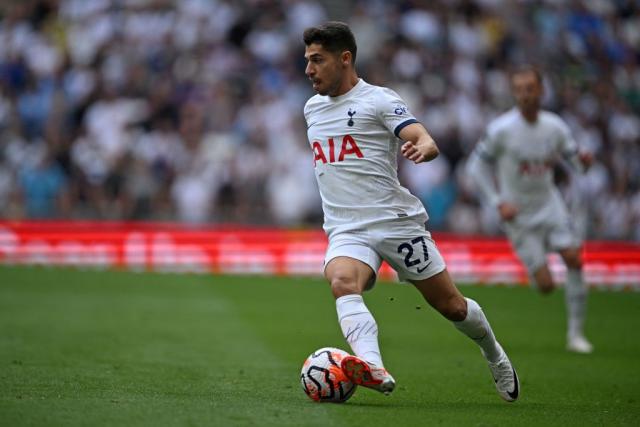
<point>454,309</point>
<point>545,287</point>
<point>572,258</point>
<point>574,261</point>
<point>542,280</point>
<point>342,285</point>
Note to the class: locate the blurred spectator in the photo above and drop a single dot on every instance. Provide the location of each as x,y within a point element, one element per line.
<point>43,188</point>
<point>192,110</point>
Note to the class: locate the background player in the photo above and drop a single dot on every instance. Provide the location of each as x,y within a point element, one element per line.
<point>523,145</point>
<point>353,129</point>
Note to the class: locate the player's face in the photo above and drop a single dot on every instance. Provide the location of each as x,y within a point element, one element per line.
<point>324,69</point>
<point>527,91</point>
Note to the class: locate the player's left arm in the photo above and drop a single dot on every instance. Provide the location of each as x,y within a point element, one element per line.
<point>579,159</point>
<point>586,158</point>
<point>419,146</point>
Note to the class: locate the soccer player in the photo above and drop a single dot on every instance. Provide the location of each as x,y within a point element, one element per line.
<point>522,145</point>
<point>354,130</point>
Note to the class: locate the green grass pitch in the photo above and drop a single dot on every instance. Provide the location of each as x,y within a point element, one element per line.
<point>117,348</point>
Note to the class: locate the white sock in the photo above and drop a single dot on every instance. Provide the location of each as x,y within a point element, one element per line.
<point>476,327</point>
<point>575,294</point>
<point>359,328</point>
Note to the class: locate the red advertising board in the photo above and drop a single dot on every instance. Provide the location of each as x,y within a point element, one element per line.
<point>227,250</point>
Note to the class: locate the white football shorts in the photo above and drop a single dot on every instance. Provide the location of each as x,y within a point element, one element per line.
<point>532,243</point>
<point>404,244</point>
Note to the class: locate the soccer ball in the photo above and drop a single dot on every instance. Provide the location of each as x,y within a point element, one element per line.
<point>322,378</point>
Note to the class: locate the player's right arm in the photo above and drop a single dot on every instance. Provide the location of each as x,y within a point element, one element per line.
<point>480,167</point>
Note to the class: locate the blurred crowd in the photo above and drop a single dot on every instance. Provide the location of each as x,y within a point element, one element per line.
<point>191,110</point>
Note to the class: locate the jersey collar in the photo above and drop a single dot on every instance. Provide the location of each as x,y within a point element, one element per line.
<point>351,91</point>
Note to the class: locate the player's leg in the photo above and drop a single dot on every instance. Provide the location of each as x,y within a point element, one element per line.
<point>576,301</point>
<point>349,278</point>
<point>440,292</point>
<point>529,245</point>
<point>563,239</point>
<point>542,279</point>
<point>467,316</point>
<point>408,247</point>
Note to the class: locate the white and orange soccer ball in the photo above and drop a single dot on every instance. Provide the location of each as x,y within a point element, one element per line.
<point>322,378</point>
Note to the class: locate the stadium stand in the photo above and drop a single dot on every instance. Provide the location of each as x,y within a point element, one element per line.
<point>191,110</point>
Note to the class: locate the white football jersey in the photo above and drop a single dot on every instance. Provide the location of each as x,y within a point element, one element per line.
<point>524,154</point>
<point>354,138</point>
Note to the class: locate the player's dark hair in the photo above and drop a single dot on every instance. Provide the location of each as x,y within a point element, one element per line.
<point>526,69</point>
<point>333,36</point>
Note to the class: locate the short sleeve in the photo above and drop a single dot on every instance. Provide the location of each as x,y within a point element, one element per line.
<point>393,111</point>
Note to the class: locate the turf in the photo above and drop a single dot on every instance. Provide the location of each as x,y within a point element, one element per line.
<point>116,348</point>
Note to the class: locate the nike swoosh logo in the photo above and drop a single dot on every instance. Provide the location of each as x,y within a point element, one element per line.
<point>420,270</point>
<point>514,393</point>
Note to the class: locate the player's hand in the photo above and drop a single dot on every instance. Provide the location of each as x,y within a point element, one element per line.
<point>586,158</point>
<point>410,151</point>
<point>422,150</point>
<point>507,211</point>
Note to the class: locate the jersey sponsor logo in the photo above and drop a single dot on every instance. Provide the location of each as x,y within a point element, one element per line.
<point>349,147</point>
<point>534,167</point>
<point>400,110</point>
<point>350,114</point>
